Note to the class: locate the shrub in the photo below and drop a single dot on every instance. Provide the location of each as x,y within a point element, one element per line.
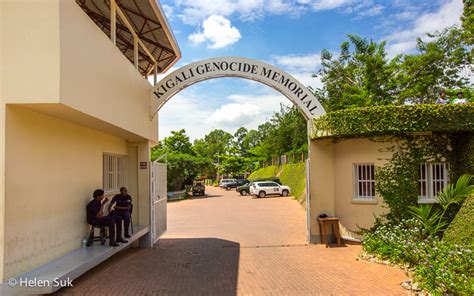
<point>445,268</point>
<point>396,243</point>
<point>438,266</point>
<point>461,230</point>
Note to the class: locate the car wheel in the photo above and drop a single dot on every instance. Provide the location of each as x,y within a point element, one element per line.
<point>284,193</point>
<point>262,194</point>
<point>243,192</point>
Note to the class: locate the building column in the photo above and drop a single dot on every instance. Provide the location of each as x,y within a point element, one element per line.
<point>2,186</point>
<point>139,185</point>
<point>322,184</point>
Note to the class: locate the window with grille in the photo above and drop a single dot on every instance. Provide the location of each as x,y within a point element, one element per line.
<point>364,181</point>
<point>115,172</point>
<point>433,178</point>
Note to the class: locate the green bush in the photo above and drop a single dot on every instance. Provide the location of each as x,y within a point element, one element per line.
<point>445,268</point>
<point>461,229</point>
<point>269,171</point>
<point>393,120</point>
<point>439,267</point>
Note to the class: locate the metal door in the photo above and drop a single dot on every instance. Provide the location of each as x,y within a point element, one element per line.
<point>158,200</point>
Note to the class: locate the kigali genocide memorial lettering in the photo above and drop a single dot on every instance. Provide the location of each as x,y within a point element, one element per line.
<point>235,67</point>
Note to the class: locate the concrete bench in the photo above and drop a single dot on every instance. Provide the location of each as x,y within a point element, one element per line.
<point>70,266</point>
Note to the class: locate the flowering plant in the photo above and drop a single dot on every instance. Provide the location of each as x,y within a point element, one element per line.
<point>438,266</point>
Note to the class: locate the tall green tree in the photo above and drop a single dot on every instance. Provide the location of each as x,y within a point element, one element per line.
<point>359,76</point>
<point>178,142</point>
<point>218,143</point>
<point>439,64</point>
<point>467,20</point>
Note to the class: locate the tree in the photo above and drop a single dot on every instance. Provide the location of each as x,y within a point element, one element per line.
<point>438,65</point>
<point>239,138</point>
<point>218,143</point>
<point>467,20</point>
<point>178,142</point>
<point>360,76</point>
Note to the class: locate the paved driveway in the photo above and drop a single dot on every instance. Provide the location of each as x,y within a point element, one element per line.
<point>226,244</point>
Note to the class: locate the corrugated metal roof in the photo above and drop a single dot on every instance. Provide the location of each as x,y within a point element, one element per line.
<point>149,22</point>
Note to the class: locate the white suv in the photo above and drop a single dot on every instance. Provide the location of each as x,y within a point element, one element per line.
<point>262,189</point>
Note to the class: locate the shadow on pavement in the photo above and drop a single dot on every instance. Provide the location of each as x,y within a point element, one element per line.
<point>194,266</point>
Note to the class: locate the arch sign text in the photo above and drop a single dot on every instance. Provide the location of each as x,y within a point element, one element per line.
<point>235,67</point>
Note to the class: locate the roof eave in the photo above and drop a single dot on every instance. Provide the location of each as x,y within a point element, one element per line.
<point>166,28</point>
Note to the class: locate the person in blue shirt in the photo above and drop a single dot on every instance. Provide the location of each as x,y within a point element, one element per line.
<point>122,208</point>
<point>96,217</point>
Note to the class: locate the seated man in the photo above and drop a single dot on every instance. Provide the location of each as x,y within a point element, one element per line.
<point>123,206</point>
<point>96,217</point>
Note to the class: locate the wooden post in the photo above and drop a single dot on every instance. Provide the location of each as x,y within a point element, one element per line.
<point>155,74</point>
<point>135,50</point>
<point>113,21</point>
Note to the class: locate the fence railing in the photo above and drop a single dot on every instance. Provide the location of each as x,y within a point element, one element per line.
<point>284,159</point>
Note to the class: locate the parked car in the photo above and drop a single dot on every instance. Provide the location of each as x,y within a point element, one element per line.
<point>262,189</point>
<point>237,183</point>
<point>245,189</point>
<point>223,182</point>
<point>198,188</point>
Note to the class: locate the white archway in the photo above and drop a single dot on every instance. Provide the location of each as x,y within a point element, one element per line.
<point>245,68</point>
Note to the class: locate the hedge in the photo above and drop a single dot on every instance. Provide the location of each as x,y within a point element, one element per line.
<point>461,229</point>
<point>393,120</point>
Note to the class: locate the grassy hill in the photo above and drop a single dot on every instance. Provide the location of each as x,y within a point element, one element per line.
<point>293,175</point>
<point>461,230</point>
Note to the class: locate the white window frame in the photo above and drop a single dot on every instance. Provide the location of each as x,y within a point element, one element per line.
<point>431,180</point>
<point>114,172</point>
<point>367,180</point>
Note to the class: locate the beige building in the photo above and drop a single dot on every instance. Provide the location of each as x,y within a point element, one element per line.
<point>347,147</point>
<point>334,187</point>
<point>75,116</point>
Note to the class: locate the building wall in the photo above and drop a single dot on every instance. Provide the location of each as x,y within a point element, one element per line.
<point>30,51</point>
<point>2,184</point>
<point>332,188</point>
<point>355,214</point>
<point>2,150</point>
<point>98,77</point>
<point>56,54</point>
<point>52,168</point>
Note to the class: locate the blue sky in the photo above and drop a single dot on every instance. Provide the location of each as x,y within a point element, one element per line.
<point>287,34</point>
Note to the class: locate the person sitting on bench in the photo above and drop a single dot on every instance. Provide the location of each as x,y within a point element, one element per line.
<point>123,206</point>
<point>96,217</point>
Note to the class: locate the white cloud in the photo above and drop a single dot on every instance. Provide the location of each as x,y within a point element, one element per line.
<point>218,30</point>
<point>302,67</point>
<point>193,12</point>
<point>309,62</point>
<point>328,4</point>
<point>168,11</point>
<point>235,115</point>
<point>372,11</point>
<point>188,110</point>
<point>405,40</point>
<point>184,110</point>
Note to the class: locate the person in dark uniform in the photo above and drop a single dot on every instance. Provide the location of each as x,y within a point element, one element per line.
<point>96,217</point>
<point>123,206</point>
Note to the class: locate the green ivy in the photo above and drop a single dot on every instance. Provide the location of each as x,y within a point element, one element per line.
<point>419,134</point>
<point>397,180</point>
<point>394,120</point>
